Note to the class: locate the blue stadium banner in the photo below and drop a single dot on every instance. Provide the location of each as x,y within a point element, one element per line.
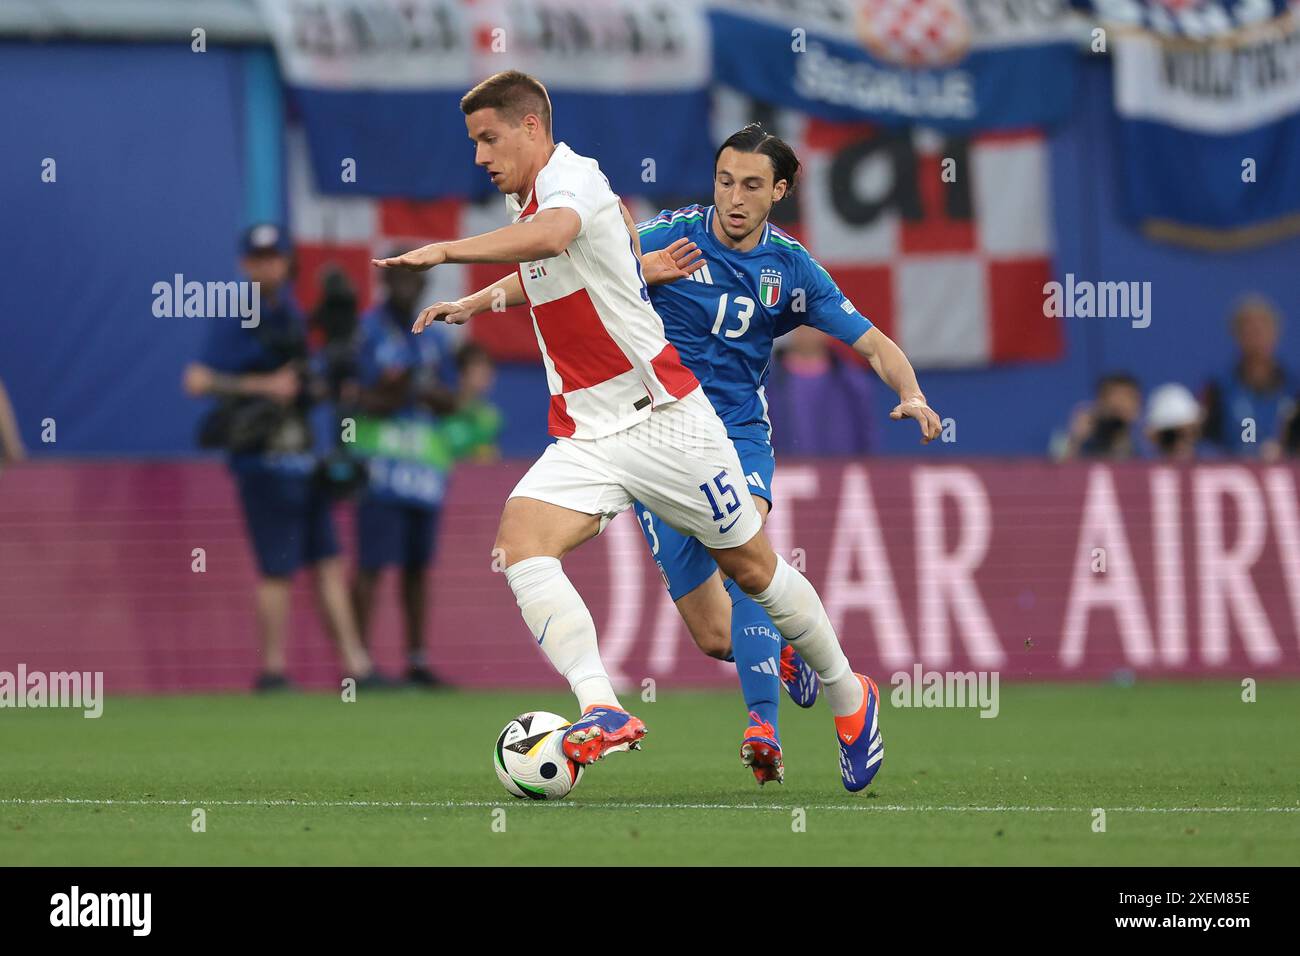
<point>1210,123</point>
<point>949,64</point>
<point>1193,19</point>
<point>377,85</point>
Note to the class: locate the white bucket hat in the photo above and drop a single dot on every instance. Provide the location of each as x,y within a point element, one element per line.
<point>1172,406</point>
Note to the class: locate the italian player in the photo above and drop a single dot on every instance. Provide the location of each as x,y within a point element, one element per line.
<point>756,284</point>
<point>630,421</point>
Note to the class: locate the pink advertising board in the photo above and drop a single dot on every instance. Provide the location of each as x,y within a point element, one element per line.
<point>1036,570</point>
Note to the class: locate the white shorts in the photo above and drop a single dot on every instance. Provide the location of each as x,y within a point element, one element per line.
<point>679,463</point>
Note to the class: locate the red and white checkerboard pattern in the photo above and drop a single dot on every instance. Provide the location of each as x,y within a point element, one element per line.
<point>952,290</point>
<point>914,32</point>
<point>343,233</point>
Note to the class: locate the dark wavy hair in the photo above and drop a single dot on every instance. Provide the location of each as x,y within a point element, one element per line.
<point>754,139</point>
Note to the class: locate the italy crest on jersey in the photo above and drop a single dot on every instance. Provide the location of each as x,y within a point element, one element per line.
<point>769,287</point>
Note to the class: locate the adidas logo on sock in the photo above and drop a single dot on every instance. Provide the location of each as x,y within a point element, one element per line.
<point>766,667</point>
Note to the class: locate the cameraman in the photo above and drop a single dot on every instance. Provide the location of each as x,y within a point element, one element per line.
<point>1107,427</point>
<point>259,375</point>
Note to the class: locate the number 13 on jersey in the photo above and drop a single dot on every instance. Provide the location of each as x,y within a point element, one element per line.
<point>744,309</point>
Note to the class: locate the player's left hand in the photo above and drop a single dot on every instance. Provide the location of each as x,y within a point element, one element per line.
<point>417,260</point>
<point>925,417</point>
<point>677,261</point>
<point>453,313</point>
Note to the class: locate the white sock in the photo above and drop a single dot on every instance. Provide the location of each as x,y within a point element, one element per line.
<point>556,614</point>
<point>796,610</point>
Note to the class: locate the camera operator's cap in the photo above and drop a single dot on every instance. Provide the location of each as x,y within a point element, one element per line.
<point>264,237</point>
<point>1172,406</point>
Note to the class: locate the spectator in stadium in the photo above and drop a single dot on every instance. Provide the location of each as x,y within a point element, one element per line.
<point>808,379</point>
<point>400,435</point>
<point>259,374</point>
<point>1106,427</point>
<point>11,440</point>
<point>1247,407</point>
<point>475,374</point>
<point>1173,423</point>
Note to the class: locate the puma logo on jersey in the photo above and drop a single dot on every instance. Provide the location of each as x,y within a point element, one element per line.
<point>702,274</point>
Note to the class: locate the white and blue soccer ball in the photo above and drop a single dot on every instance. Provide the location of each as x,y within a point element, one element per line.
<point>529,757</point>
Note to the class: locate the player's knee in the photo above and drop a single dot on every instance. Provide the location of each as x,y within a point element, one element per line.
<point>751,565</point>
<point>750,573</point>
<point>500,549</point>
<point>513,542</point>
<point>511,549</point>
<point>749,579</point>
<point>714,641</point>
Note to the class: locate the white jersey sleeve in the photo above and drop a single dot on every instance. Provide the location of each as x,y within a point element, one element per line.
<point>573,186</point>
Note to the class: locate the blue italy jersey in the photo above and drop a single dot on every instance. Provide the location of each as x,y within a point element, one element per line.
<point>724,318</point>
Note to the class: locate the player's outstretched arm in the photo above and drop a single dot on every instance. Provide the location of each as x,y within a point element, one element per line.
<point>544,236</point>
<point>498,297</point>
<point>896,371</point>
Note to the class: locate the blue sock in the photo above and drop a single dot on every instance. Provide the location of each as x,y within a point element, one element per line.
<point>755,643</point>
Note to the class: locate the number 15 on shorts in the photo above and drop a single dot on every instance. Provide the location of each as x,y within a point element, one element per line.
<point>726,494</point>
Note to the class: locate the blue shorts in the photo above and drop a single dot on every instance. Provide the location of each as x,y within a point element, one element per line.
<point>391,533</point>
<point>289,520</point>
<point>685,563</point>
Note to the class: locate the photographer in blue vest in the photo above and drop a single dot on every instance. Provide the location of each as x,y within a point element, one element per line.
<point>264,390</point>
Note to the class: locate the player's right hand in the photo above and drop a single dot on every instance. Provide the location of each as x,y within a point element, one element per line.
<point>453,313</point>
<point>926,417</point>
<point>417,260</point>
<point>677,261</point>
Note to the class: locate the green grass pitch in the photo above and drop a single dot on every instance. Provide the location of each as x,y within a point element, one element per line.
<point>1187,774</point>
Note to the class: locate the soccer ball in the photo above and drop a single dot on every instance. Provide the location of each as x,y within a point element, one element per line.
<point>529,758</point>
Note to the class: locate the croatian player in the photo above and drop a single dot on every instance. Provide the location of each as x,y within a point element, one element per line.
<point>630,421</point>
<point>757,284</point>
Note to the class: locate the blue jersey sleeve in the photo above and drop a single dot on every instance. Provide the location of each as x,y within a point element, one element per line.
<point>667,227</point>
<point>828,309</point>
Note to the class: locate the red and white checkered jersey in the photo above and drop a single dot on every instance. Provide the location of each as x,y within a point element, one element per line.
<point>607,361</point>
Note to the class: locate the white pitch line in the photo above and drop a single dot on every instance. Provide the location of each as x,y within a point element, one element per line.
<point>456,804</point>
